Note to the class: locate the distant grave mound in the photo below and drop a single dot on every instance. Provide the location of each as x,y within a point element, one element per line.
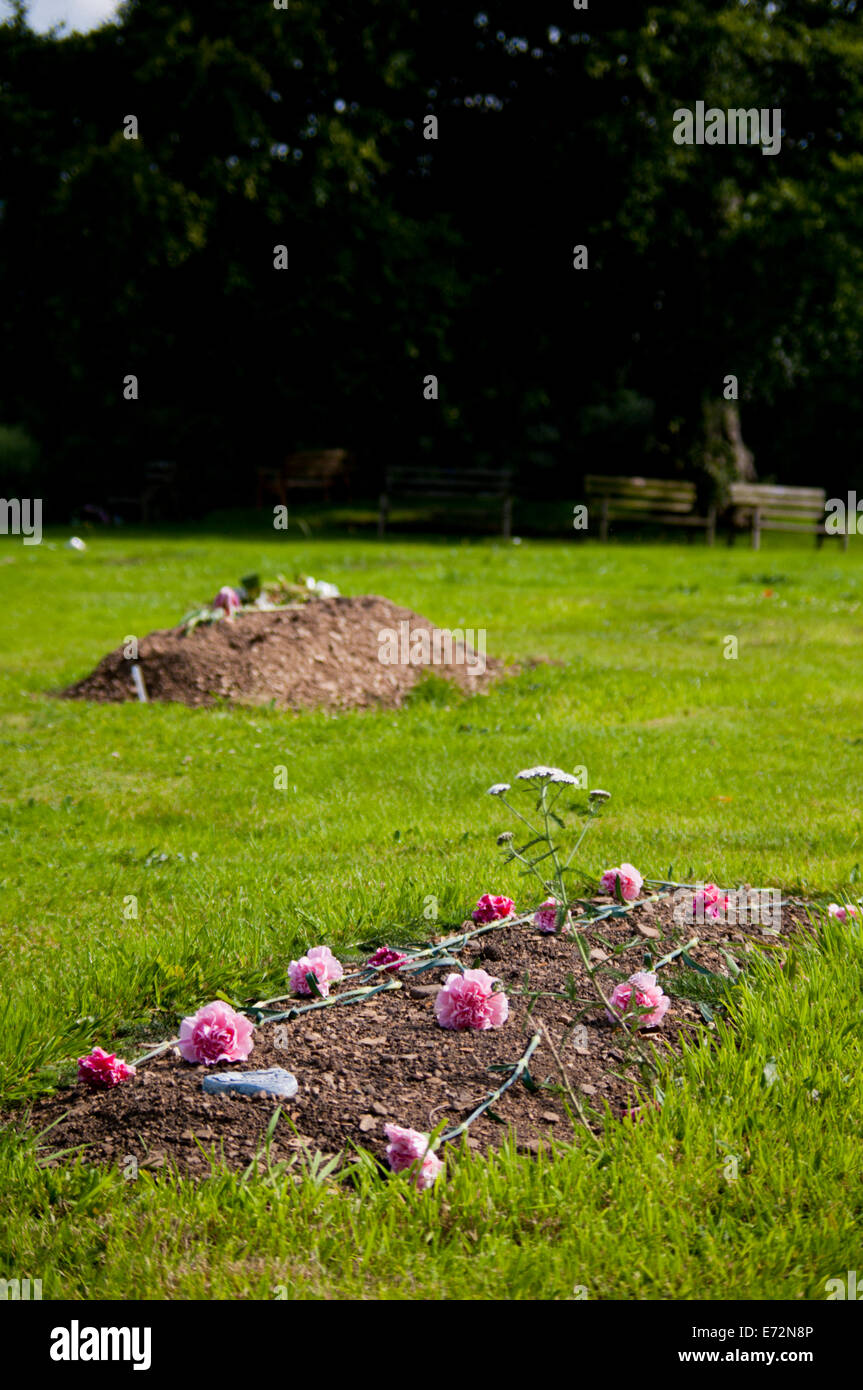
<point>348,653</point>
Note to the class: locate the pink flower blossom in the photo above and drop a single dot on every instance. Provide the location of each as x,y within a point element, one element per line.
<point>711,899</point>
<point>408,1146</point>
<point>545,916</point>
<point>321,963</point>
<point>228,599</point>
<point>468,1001</point>
<point>103,1069</point>
<point>216,1033</point>
<point>385,955</point>
<point>638,1113</point>
<point>491,909</point>
<point>648,994</point>
<point>630,882</point>
<point>841,911</point>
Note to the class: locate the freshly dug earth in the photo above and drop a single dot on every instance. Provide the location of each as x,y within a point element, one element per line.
<point>325,652</point>
<point>360,1066</point>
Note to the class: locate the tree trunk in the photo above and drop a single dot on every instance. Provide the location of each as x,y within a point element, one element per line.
<point>744,459</point>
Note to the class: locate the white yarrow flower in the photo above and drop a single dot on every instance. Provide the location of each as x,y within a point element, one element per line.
<point>531,772</point>
<point>567,777</point>
<point>498,789</point>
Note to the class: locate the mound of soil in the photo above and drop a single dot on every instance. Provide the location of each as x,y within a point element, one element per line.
<point>363,1065</point>
<point>325,652</point>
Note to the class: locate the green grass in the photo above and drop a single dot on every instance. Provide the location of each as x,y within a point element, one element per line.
<point>735,770</point>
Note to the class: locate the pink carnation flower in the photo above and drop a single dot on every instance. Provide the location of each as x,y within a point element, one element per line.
<point>490,909</point>
<point>638,1113</point>
<point>648,994</point>
<point>545,916</point>
<point>321,963</point>
<point>841,911</point>
<point>711,899</point>
<point>630,882</point>
<point>385,955</point>
<point>228,599</point>
<point>103,1069</point>
<point>216,1033</point>
<point>468,1001</point>
<point>408,1146</point>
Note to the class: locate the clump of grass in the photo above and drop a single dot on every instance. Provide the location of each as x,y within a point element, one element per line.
<point>433,689</point>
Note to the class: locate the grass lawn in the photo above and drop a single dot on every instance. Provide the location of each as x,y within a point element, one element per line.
<point>739,770</point>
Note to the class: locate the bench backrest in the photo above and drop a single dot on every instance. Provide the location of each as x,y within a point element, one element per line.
<point>793,504</point>
<point>429,481</point>
<point>642,494</point>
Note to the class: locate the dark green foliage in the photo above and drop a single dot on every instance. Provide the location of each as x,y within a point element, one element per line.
<point>303,128</point>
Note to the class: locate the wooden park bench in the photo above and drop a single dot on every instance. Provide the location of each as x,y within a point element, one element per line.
<point>660,501</point>
<point>486,485</point>
<point>317,471</point>
<point>758,507</point>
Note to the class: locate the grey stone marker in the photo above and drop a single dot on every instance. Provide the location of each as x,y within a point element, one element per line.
<point>275,1081</point>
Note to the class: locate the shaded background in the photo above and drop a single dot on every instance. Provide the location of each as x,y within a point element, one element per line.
<point>408,257</point>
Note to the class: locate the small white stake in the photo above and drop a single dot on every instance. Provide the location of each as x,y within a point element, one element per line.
<point>138,682</point>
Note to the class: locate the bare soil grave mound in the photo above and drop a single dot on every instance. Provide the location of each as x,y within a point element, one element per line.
<point>362,1066</point>
<point>325,652</point>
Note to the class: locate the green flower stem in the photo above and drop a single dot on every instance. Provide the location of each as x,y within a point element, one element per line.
<point>672,955</point>
<point>577,845</point>
<point>530,866</point>
<point>356,996</point>
<point>669,883</point>
<point>576,1103</point>
<point>552,850</point>
<point>532,828</point>
<point>518,1070</point>
<point>157,1052</point>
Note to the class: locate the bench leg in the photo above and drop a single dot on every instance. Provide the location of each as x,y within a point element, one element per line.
<point>507,518</point>
<point>711,526</point>
<point>603,520</point>
<point>382,514</point>
<point>756,530</point>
